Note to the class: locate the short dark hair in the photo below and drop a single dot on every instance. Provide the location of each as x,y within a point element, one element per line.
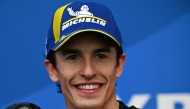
<point>119,52</point>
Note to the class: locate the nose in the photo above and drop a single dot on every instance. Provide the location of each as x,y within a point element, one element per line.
<point>88,70</point>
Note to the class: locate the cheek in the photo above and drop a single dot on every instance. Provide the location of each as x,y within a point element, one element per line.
<point>108,67</point>
<point>64,79</point>
<point>63,74</point>
<point>66,74</point>
<point>108,71</point>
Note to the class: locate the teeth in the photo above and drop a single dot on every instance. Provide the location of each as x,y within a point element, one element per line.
<point>88,87</point>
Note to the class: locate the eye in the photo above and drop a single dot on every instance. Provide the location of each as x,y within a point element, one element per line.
<point>101,56</point>
<point>72,57</point>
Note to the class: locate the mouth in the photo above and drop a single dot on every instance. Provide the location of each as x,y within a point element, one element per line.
<point>89,86</point>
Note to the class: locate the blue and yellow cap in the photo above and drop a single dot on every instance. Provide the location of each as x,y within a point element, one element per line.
<point>78,17</point>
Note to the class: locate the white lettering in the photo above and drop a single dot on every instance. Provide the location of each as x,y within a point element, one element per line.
<point>118,97</point>
<point>81,20</point>
<point>88,19</point>
<point>102,23</point>
<point>75,21</point>
<point>164,101</point>
<point>65,26</point>
<point>71,23</point>
<point>93,21</point>
<point>139,100</point>
<point>168,101</point>
<point>98,21</point>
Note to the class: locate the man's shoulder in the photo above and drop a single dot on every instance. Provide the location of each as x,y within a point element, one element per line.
<point>123,106</point>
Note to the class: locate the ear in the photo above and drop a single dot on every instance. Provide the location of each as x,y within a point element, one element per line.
<point>119,68</point>
<point>51,70</point>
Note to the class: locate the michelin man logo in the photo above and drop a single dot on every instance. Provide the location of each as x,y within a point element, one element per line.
<point>82,16</point>
<point>84,11</point>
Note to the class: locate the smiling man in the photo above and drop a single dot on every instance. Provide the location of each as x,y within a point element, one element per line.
<point>84,56</point>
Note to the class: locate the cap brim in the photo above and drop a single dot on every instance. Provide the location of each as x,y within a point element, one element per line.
<point>61,42</point>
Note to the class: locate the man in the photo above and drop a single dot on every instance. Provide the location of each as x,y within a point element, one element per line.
<point>84,56</point>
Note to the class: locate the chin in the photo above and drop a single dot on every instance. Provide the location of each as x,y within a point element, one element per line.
<point>89,104</point>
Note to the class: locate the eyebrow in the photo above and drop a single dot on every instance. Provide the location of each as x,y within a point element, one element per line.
<point>103,49</point>
<point>71,51</point>
<point>68,51</point>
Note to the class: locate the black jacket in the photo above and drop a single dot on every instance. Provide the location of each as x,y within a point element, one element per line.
<point>123,106</point>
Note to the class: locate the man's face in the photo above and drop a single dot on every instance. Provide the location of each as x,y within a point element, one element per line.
<point>87,68</point>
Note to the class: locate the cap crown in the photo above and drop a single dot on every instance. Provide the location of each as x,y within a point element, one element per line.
<point>77,17</point>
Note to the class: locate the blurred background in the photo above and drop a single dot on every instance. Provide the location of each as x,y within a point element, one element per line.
<point>156,40</point>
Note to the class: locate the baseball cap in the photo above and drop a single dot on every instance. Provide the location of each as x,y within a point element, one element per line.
<point>77,17</point>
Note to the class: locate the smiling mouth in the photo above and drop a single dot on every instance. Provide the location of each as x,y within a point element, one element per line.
<point>89,87</point>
